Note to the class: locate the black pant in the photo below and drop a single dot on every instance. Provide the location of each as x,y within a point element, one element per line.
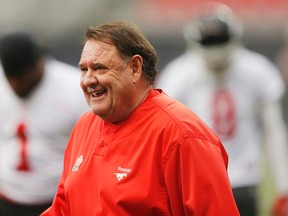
<point>246,200</point>
<point>13,209</point>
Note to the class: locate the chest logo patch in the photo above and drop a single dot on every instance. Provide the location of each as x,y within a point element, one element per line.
<point>77,163</point>
<point>122,173</point>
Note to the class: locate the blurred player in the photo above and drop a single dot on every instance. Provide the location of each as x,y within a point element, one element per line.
<point>233,89</point>
<point>40,101</point>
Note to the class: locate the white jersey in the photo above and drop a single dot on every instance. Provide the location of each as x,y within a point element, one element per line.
<point>31,162</point>
<point>230,106</point>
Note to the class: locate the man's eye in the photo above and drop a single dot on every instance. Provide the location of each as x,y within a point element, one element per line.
<point>99,68</point>
<point>83,69</point>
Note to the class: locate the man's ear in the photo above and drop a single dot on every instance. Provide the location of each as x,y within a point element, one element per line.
<point>136,63</point>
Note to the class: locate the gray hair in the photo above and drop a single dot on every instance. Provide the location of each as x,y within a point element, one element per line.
<point>129,41</point>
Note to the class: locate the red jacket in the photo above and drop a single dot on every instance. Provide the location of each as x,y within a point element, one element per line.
<point>163,160</point>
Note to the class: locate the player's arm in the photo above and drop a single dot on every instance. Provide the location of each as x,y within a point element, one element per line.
<point>276,144</point>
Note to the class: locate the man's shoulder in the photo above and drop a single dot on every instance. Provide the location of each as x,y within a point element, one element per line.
<point>254,58</point>
<point>173,111</point>
<point>178,120</point>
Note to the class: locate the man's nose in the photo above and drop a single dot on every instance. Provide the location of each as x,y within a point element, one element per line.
<point>89,78</point>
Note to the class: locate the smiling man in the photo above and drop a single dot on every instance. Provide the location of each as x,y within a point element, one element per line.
<point>111,95</point>
<point>137,152</point>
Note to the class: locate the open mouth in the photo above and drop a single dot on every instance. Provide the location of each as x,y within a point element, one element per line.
<point>98,93</point>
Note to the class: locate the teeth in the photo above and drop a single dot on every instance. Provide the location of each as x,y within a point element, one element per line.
<point>94,94</point>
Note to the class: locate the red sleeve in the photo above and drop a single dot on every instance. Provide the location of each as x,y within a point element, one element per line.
<point>197,180</point>
<point>59,206</point>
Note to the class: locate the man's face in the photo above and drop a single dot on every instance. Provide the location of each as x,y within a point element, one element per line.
<point>24,84</point>
<point>106,80</point>
<point>218,57</point>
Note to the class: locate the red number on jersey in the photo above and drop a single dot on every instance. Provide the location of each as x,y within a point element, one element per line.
<point>223,114</point>
<point>21,134</point>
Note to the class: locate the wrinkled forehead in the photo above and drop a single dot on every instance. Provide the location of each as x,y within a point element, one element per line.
<point>96,50</point>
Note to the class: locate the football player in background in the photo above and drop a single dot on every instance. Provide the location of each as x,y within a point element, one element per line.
<point>233,89</point>
<point>40,101</point>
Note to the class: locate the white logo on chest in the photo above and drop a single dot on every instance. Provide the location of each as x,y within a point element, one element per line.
<point>77,163</point>
<point>122,174</point>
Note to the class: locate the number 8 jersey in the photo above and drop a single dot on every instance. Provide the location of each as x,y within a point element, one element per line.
<point>230,104</point>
